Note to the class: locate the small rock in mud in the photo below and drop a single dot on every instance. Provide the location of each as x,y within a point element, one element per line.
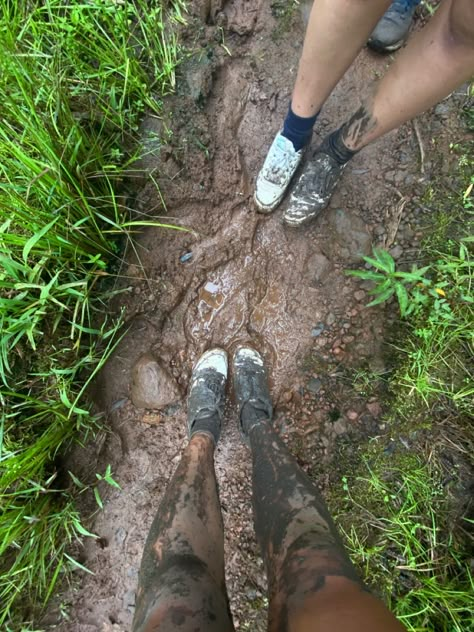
<point>374,409</point>
<point>339,426</point>
<point>359,295</point>
<point>331,319</point>
<point>199,78</point>
<point>186,257</point>
<point>314,385</point>
<point>318,268</point>
<point>318,330</point>
<point>152,386</point>
<point>396,252</point>
<point>350,234</point>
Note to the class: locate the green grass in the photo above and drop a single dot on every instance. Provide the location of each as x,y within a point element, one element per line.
<point>405,506</point>
<point>75,79</point>
<point>407,545</point>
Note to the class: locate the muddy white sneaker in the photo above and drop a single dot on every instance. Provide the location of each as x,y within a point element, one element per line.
<point>313,190</point>
<point>279,167</point>
<point>207,394</point>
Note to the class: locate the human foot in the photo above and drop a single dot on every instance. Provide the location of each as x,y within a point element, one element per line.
<point>251,389</point>
<point>207,393</point>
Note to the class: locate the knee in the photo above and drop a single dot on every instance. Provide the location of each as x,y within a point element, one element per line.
<point>460,23</point>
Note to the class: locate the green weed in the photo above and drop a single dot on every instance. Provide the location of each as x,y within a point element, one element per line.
<point>405,543</point>
<point>75,78</point>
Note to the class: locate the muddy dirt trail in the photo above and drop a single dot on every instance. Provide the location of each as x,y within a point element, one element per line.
<point>239,277</point>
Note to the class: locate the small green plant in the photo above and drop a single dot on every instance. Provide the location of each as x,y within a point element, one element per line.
<point>107,478</point>
<point>388,281</point>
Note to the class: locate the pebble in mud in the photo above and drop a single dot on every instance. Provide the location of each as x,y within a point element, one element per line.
<point>152,386</point>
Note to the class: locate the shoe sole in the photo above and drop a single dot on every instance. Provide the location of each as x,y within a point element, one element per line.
<point>266,210</point>
<point>296,223</point>
<point>378,47</point>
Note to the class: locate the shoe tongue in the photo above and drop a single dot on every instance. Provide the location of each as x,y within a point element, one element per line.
<point>282,143</point>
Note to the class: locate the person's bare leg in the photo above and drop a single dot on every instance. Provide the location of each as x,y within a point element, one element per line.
<point>313,586</point>
<point>438,59</point>
<point>181,584</point>
<point>336,32</point>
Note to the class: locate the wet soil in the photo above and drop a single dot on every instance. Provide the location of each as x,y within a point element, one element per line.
<point>240,277</point>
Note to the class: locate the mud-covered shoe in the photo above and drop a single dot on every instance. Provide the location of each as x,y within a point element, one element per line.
<point>393,28</point>
<point>251,389</point>
<point>207,393</point>
<point>275,176</point>
<point>314,188</point>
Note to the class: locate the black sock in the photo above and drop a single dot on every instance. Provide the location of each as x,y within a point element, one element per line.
<point>335,147</point>
<point>298,129</point>
<point>211,425</point>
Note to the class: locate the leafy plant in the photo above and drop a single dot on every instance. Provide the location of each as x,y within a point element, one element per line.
<point>389,281</point>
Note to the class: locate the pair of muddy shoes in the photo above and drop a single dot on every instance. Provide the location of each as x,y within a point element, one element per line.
<point>313,189</point>
<point>207,392</point>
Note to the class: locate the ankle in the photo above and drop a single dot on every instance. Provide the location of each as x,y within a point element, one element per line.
<point>334,146</point>
<point>252,414</point>
<point>206,426</point>
<point>298,129</point>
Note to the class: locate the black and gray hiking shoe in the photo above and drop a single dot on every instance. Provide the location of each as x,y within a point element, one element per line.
<point>207,393</point>
<point>393,28</point>
<point>314,188</point>
<point>251,389</point>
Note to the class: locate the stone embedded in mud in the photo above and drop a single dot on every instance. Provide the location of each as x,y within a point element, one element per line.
<point>351,237</point>
<point>152,386</point>
<point>314,385</point>
<point>318,268</point>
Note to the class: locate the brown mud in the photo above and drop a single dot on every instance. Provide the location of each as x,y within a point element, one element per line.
<point>248,279</point>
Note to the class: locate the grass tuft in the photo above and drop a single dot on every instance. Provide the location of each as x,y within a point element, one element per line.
<point>75,79</point>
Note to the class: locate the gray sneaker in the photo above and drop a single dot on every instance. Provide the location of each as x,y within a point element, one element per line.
<point>207,394</point>
<point>279,167</point>
<point>392,30</point>
<point>314,188</point>
<point>251,389</point>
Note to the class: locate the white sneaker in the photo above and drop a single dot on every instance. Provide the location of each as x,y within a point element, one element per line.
<point>279,167</point>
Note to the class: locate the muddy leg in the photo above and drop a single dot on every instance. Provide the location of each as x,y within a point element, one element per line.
<point>312,583</point>
<point>181,581</point>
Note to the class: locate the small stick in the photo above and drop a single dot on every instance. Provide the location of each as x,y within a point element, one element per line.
<point>420,145</point>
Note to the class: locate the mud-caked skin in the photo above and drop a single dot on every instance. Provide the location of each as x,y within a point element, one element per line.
<point>312,583</point>
<point>181,584</point>
<point>299,542</point>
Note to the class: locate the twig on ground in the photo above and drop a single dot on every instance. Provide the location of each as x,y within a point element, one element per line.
<point>420,145</point>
